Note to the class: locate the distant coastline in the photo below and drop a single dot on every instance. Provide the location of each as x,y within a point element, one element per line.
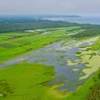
<point>69,18</point>
<point>77,19</point>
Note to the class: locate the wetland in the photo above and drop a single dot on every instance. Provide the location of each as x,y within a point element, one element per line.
<point>62,55</point>
<point>51,63</point>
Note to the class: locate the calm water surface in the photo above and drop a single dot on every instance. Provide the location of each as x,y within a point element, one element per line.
<point>57,55</point>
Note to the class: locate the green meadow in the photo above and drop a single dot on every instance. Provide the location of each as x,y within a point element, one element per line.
<point>26,81</point>
<point>15,44</point>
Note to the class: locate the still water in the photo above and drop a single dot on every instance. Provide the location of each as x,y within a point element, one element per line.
<point>57,55</point>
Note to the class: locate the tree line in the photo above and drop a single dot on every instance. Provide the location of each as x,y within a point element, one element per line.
<point>13,24</point>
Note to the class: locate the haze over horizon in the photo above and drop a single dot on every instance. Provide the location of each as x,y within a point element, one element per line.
<point>56,7</point>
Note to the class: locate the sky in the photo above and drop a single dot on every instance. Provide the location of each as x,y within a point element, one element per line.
<point>63,7</point>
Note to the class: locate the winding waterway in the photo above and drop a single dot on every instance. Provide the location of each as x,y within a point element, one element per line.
<point>57,55</point>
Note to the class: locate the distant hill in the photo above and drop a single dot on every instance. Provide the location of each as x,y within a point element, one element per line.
<point>56,16</point>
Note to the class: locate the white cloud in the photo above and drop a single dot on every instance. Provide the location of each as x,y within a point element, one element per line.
<point>49,6</point>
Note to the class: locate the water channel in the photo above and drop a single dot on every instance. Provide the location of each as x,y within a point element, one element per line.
<point>57,55</point>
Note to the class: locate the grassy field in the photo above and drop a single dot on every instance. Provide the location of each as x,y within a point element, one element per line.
<point>26,81</point>
<point>14,44</point>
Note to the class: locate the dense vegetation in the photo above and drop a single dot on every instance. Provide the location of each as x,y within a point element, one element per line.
<point>96,46</point>
<point>94,93</point>
<point>90,26</point>
<point>13,24</point>
<point>87,33</point>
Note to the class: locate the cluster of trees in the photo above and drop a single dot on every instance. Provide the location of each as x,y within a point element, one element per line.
<point>94,93</point>
<point>12,24</point>
<point>90,26</point>
<point>88,33</point>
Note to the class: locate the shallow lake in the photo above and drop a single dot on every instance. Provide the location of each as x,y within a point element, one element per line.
<point>57,55</point>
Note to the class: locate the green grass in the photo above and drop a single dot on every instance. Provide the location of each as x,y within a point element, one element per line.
<point>26,81</point>
<point>2,49</point>
<point>15,44</point>
<point>63,28</point>
<point>7,45</point>
<point>83,91</point>
<point>96,46</point>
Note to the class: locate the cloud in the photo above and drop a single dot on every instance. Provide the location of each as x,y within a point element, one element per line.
<point>49,6</point>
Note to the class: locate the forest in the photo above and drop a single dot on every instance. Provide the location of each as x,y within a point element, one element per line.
<point>20,24</point>
<point>88,33</point>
